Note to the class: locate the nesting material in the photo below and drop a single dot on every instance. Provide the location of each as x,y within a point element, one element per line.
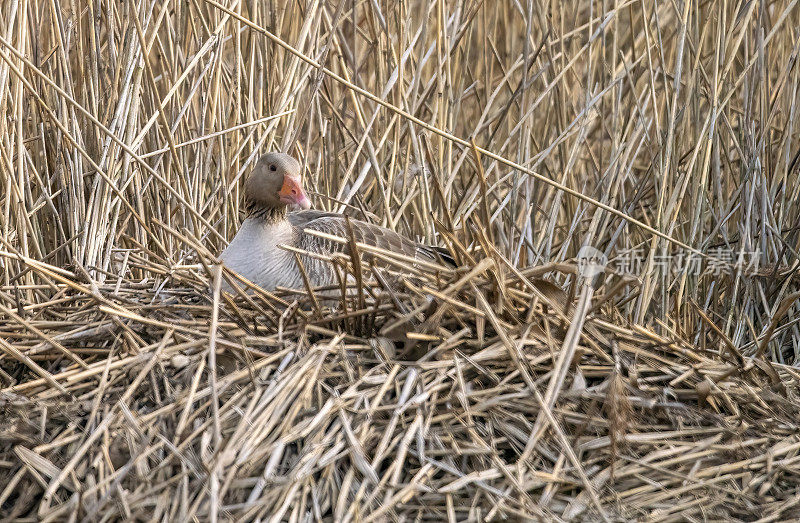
<point>449,399</point>
<point>538,141</point>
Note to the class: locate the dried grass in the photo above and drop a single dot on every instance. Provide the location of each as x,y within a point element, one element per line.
<point>511,387</point>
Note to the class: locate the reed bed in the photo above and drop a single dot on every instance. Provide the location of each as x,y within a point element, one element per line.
<point>658,382</point>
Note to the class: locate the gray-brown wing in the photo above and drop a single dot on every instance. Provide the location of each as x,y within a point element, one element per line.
<point>302,218</point>
<point>366,233</point>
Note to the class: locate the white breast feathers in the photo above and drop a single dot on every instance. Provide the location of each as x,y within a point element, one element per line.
<point>254,254</point>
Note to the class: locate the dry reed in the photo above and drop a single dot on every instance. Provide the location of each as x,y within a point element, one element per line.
<point>663,134</point>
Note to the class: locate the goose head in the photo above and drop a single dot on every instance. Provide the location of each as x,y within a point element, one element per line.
<point>276,183</point>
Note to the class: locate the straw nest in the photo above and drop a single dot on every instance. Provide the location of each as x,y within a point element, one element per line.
<point>513,132</point>
<point>479,393</point>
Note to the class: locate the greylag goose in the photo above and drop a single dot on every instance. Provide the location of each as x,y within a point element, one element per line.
<point>274,184</point>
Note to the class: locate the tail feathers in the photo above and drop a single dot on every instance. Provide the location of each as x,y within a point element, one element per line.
<point>436,253</point>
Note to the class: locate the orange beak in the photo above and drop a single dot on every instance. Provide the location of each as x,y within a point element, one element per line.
<point>292,193</point>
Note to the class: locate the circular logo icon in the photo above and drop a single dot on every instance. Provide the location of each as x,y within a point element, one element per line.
<point>591,262</point>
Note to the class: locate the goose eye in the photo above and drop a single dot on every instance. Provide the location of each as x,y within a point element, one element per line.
<point>273,168</point>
